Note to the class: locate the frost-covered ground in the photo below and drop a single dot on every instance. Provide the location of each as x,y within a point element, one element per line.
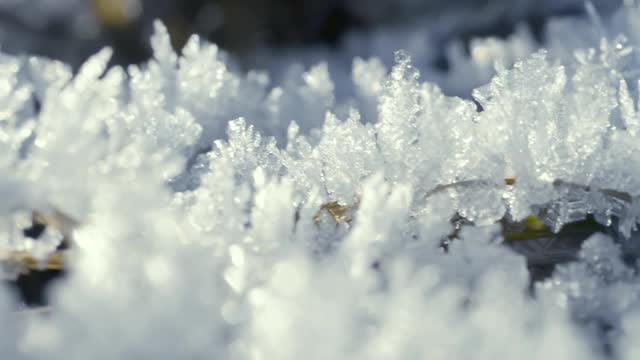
<point>197,190</point>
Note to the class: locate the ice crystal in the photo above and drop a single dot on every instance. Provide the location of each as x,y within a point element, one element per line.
<point>236,215</point>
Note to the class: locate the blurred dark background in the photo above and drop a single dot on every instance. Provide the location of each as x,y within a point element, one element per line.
<point>71,30</point>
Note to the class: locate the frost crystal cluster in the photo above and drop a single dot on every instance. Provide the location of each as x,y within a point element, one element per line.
<point>233,215</point>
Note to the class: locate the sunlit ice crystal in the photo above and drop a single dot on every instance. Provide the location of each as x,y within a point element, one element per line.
<point>324,215</point>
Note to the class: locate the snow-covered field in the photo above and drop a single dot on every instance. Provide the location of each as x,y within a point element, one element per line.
<point>300,212</point>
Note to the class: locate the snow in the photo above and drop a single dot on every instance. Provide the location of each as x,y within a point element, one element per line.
<point>198,190</point>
